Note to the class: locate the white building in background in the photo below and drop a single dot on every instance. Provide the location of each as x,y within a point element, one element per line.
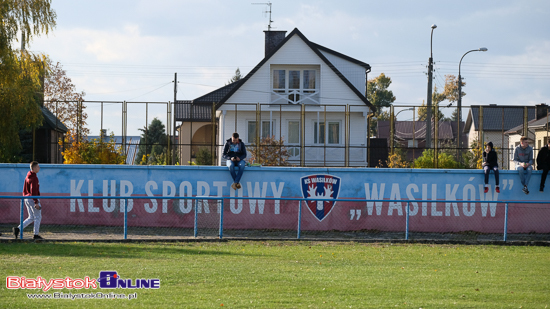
<point>308,95</point>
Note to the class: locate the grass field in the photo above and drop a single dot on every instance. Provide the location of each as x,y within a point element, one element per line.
<point>239,274</point>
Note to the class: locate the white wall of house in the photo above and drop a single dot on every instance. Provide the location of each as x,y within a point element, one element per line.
<point>331,96</point>
<point>295,53</point>
<point>288,125</point>
<point>353,72</point>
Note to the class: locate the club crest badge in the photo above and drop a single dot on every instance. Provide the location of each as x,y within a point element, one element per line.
<point>320,187</point>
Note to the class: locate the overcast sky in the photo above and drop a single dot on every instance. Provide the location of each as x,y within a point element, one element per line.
<point>130,50</point>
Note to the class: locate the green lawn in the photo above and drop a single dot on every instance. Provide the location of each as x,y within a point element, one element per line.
<point>238,274</point>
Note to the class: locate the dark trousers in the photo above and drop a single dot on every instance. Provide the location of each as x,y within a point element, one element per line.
<point>487,169</point>
<point>543,177</point>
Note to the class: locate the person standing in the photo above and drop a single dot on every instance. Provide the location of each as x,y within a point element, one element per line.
<point>490,162</point>
<point>235,153</point>
<point>31,187</point>
<point>543,163</point>
<point>523,157</point>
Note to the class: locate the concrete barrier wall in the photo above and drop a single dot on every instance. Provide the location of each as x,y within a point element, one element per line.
<point>476,211</point>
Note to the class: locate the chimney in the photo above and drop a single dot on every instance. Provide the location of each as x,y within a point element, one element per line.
<point>541,110</point>
<point>272,40</point>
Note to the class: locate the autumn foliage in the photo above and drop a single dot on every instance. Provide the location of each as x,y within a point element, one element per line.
<point>272,152</point>
<point>95,151</point>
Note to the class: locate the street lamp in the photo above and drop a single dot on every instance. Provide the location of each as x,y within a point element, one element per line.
<point>459,103</point>
<point>392,125</point>
<point>429,99</point>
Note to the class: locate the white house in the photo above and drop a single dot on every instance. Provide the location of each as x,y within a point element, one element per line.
<point>310,96</point>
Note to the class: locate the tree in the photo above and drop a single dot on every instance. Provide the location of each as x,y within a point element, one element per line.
<point>450,94</point>
<point>152,147</point>
<point>379,96</point>
<point>62,99</point>
<point>21,71</point>
<point>235,77</point>
<point>19,98</point>
<point>451,88</point>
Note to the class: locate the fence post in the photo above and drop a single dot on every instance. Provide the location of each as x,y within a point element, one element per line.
<point>125,218</point>
<point>21,220</point>
<point>407,223</point>
<point>221,220</point>
<point>299,218</point>
<point>505,221</point>
<point>195,229</point>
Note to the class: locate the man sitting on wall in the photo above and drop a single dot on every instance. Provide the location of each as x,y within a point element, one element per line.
<point>543,163</point>
<point>235,153</point>
<point>523,157</point>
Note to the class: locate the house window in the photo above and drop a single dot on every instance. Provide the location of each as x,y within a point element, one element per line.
<point>279,80</point>
<point>309,81</point>
<point>294,138</point>
<point>265,130</point>
<point>295,86</point>
<point>294,132</point>
<point>320,131</point>
<point>411,144</point>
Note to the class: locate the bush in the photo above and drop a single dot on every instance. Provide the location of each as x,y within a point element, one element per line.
<point>95,151</point>
<point>204,157</point>
<point>444,160</point>
<point>272,152</point>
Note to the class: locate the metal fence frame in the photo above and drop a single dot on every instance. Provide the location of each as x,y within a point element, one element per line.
<point>220,234</point>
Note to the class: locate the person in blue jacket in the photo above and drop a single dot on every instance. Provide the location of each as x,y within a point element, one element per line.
<point>235,153</point>
<point>523,157</point>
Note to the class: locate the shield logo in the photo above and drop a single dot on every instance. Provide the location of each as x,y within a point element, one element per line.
<point>320,187</point>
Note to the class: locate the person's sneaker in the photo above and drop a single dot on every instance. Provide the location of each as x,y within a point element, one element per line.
<point>239,185</point>
<point>37,237</point>
<point>486,190</point>
<point>525,190</point>
<point>541,190</point>
<point>16,232</point>
<point>234,186</point>
<point>497,189</point>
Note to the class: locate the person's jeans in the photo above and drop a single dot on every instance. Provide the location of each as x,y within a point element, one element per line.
<point>35,215</point>
<point>543,177</point>
<point>239,167</point>
<point>487,169</point>
<point>524,174</point>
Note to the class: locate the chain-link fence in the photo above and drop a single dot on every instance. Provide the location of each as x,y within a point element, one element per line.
<point>280,218</point>
<point>299,135</point>
<point>456,140</point>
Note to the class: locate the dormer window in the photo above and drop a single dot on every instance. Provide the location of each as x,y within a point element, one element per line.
<point>295,85</point>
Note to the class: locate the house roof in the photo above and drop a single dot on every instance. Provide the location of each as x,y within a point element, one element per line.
<point>189,111</point>
<point>52,122</point>
<point>348,58</point>
<point>317,50</point>
<point>494,120</point>
<point>533,124</point>
<point>404,129</point>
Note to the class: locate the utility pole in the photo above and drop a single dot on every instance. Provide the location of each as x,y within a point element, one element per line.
<point>429,99</point>
<point>174,133</point>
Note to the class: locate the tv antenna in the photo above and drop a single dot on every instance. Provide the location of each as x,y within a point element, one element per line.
<point>268,11</point>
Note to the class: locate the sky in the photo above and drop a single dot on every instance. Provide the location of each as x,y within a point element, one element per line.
<point>129,50</point>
